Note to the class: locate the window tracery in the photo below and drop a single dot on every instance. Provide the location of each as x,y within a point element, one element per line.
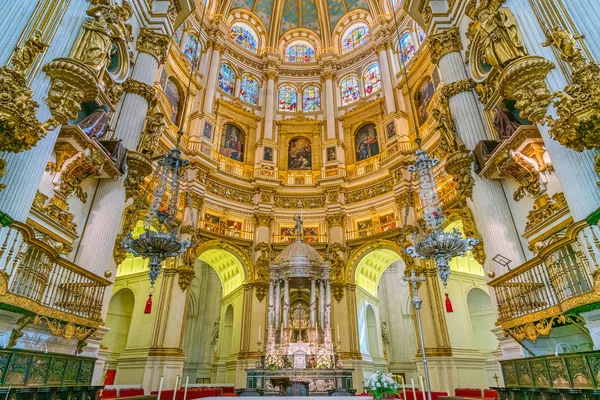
<point>249,90</point>
<point>287,98</point>
<point>355,38</point>
<point>311,99</point>
<point>226,79</point>
<point>300,52</point>
<point>372,79</point>
<point>244,36</point>
<point>407,47</point>
<point>349,90</point>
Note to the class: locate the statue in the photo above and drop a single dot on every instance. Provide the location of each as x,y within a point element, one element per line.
<point>566,45</point>
<point>24,56</point>
<point>449,141</point>
<point>94,44</point>
<point>151,134</point>
<point>501,41</point>
<point>96,125</point>
<point>505,123</point>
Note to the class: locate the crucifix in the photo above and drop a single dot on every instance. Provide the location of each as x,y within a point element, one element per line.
<point>300,309</point>
<point>416,302</point>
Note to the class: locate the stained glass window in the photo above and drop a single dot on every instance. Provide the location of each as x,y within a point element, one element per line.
<point>311,99</point>
<point>407,47</point>
<point>244,37</point>
<point>178,35</point>
<point>287,98</point>
<point>372,79</point>
<point>421,34</point>
<point>192,52</point>
<point>350,90</point>
<point>226,79</point>
<point>355,38</point>
<point>300,53</point>
<point>249,90</point>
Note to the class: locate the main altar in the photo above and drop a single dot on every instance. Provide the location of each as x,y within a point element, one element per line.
<point>299,347</point>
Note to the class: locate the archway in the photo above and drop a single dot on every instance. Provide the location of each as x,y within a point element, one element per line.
<point>227,340</point>
<point>373,338</point>
<point>481,314</point>
<point>118,318</point>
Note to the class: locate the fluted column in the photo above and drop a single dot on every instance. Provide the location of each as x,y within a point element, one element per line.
<point>277,304</point>
<point>286,303</point>
<point>104,222</point>
<point>271,304</point>
<point>211,83</point>
<point>327,305</point>
<point>270,104</point>
<point>386,77</point>
<point>329,106</point>
<point>491,211</point>
<point>25,170</point>
<point>238,87</point>
<point>313,303</point>
<point>586,14</point>
<point>321,304</point>
<point>574,170</point>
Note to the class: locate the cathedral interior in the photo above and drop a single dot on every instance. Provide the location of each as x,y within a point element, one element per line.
<point>164,218</point>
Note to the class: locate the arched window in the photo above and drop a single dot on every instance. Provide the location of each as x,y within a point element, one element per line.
<point>350,90</point>
<point>178,35</point>
<point>173,95</point>
<point>244,36</point>
<point>311,99</point>
<point>287,98</point>
<point>249,90</point>
<point>407,47</point>
<point>192,50</point>
<point>300,52</point>
<point>355,38</point>
<point>372,79</point>
<point>421,34</point>
<point>226,79</point>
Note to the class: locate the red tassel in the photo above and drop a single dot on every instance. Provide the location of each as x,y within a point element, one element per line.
<point>148,308</point>
<point>449,308</point>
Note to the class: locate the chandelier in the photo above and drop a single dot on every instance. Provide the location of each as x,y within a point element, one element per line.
<point>160,240</point>
<point>435,244</point>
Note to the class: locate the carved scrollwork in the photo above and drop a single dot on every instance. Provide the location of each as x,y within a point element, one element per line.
<point>443,43</point>
<point>138,168</point>
<point>68,331</point>
<point>153,43</point>
<point>141,89</point>
<point>544,208</point>
<point>459,165</point>
<point>525,171</point>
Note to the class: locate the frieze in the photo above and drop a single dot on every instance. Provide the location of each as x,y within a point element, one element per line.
<point>295,202</point>
<point>226,191</point>
<point>369,192</point>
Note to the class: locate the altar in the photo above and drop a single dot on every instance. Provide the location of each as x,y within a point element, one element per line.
<point>318,382</point>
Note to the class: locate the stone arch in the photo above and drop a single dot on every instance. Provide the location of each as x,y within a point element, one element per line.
<point>367,264</point>
<point>120,311</point>
<point>252,20</point>
<point>231,263</point>
<point>481,314</point>
<point>300,34</point>
<point>354,17</point>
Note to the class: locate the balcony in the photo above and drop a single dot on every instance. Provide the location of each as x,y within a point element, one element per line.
<point>556,280</point>
<point>310,239</point>
<point>38,280</point>
<point>373,230</point>
<point>222,230</point>
<point>364,167</point>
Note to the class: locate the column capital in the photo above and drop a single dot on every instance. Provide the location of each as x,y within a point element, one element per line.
<point>218,47</point>
<point>443,43</point>
<point>333,220</point>
<point>141,89</point>
<point>260,219</point>
<point>153,43</point>
<point>452,89</point>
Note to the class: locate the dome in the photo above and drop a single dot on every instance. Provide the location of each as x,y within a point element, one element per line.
<point>299,252</point>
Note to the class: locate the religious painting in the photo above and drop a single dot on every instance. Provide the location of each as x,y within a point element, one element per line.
<point>331,154</point>
<point>310,234</point>
<point>299,154</point>
<point>387,221</point>
<point>366,142</point>
<point>208,128</point>
<point>174,98</point>
<point>364,226</point>
<point>423,98</point>
<point>390,130</point>
<point>232,143</point>
<point>268,154</point>
<point>287,233</point>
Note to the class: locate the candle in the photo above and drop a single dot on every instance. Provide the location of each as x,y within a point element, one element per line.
<point>259,333</point>
<point>412,382</point>
<point>403,388</point>
<point>187,380</point>
<point>176,385</point>
<point>338,331</point>
<point>422,386</point>
<point>160,387</point>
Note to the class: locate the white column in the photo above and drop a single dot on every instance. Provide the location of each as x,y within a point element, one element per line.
<point>329,107</point>
<point>286,303</point>
<point>490,208</point>
<point>313,301</point>
<point>24,171</point>
<point>270,106</point>
<point>586,14</point>
<point>574,170</point>
<point>238,87</point>
<point>327,305</point>
<point>277,304</point>
<point>321,304</point>
<point>20,13</point>
<point>386,79</point>
<point>271,303</point>
<point>104,222</point>
<point>394,63</point>
<point>211,83</point>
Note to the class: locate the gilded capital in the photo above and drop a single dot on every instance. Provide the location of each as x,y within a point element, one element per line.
<point>334,220</point>
<point>260,219</point>
<point>456,87</point>
<point>443,43</point>
<point>153,43</point>
<point>141,89</point>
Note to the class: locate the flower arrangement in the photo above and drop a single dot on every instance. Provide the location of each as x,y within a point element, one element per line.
<point>380,385</point>
<point>273,360</point>
<point>324,359</point>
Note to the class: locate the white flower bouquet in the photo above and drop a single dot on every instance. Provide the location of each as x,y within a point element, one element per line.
<point>273,360</point>
<point>324,360</point>
<point>380,385</point>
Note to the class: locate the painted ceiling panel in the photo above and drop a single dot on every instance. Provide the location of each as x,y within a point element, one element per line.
<point>290,17</point>
<point>263,9</point>
<point>354,4</point>
<point>246,4</point>
<point>310,15</point>
<point>336,9</point>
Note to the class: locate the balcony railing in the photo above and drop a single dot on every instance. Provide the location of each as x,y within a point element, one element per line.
<point>224,230</point>
<point>265,173</point>
<point>364,167</point>
<point>300,178</point>
<point>35,271</point>
<point>556,280</point>
<point>372,230</point>
<point>333,173</point>
<point>310,239</point>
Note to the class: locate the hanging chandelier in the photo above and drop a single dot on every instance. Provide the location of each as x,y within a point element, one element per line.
<point>435,244</point>
<point>160,240</point>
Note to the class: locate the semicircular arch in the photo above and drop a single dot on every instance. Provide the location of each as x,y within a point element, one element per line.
<point>232,264</point>
<point>368,263</point>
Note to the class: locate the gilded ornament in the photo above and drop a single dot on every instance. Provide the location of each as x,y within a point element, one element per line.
<point>68,331</point>
<point>262,270</point>
<point>566,44</point>
<point>260,219</point>
<point>186,274</point>
<point>76,171</point>
<point>153,43</point>
<point>524,81</point>
<point>369,192</point>
<point>24,56</point>
<point>544,208</point>
<point>226,191</point>
<point>525,171</point>
<point>452,89</point>
<point>294,202</point>
<point>333,220</point>
<point>484,91</point>
<point>57,209</point>
<point>458,165</point>
<point>139,167</point>
<point>113,91</point>
<point>2,173</point>
<point>443,43</point>
<point>449,140</point>
<point>141,89</point>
